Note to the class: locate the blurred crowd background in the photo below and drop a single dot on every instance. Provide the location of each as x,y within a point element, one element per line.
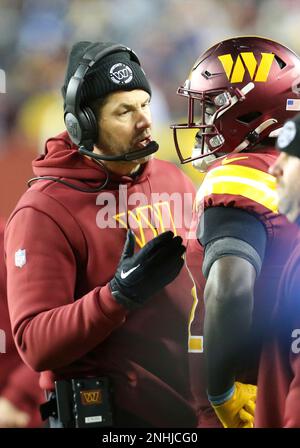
<point>168,36</point>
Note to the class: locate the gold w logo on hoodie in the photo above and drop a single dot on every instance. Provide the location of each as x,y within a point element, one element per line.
<point>157,218</point>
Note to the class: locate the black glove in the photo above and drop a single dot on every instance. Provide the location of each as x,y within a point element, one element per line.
<point>141,275</point>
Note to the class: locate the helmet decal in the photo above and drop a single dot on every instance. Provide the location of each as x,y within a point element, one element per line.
<point>258,72</point>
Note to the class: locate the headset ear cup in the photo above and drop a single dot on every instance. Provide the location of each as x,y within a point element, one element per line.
<point>93,125</point>
<point>88,126</point>
<point>73,127</point>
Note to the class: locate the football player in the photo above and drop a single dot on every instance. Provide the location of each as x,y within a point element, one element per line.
<point>240,92</point>
<point>278,399</point>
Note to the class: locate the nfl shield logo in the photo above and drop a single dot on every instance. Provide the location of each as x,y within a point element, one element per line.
<point>20,258</point>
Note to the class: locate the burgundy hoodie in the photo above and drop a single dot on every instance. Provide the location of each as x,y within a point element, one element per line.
<point>65,321</point>
<point>18,383</point>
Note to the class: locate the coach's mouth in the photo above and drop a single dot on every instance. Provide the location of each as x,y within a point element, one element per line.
<point>141,144</point>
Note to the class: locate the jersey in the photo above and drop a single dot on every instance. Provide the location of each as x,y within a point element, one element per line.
<point>240,181</point>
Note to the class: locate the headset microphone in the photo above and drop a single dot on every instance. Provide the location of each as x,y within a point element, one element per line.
<point>134,155</point>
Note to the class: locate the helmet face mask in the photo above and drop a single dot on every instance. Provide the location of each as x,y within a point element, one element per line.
<point>237,95</point>
<point>201,116</point>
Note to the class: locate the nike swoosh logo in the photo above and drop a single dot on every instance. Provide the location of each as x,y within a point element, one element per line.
<point>125,274</point>
<point>226,161</point>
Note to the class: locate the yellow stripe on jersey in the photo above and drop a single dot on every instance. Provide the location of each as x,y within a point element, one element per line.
<point>240,180</point>
<point>196,344</point>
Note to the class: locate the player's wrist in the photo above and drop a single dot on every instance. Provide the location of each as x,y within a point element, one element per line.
<point>217,400</point>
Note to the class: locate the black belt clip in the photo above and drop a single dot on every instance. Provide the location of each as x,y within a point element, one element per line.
<point>80,403</point>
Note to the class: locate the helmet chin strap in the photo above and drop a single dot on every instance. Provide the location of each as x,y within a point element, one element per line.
<point>240,96</point>
<point>203,164</point>
<point>254,134</point>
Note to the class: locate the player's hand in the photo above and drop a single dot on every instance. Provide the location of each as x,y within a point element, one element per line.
<point>143,274</point>
<point>11,416</point>
<point>238,410</point>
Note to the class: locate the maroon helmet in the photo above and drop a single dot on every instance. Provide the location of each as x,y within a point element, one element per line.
<point>239,92</point>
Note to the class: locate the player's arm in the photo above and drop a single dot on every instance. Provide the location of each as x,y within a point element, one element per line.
<point>229,300</point>
<point>234,242</point>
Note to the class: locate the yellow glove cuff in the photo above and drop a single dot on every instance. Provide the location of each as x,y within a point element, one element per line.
<point>238,410</point>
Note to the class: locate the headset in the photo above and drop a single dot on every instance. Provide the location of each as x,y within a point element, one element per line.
<point>81,122</point>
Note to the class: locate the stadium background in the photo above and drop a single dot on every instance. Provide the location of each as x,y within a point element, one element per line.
<point>168,35</point>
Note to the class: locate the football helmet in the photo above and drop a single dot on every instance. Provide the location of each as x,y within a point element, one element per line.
<point>239,92</point>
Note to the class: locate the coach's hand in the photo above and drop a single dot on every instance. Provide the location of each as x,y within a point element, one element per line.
<point>238,410</point>
<point>141,275</point>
